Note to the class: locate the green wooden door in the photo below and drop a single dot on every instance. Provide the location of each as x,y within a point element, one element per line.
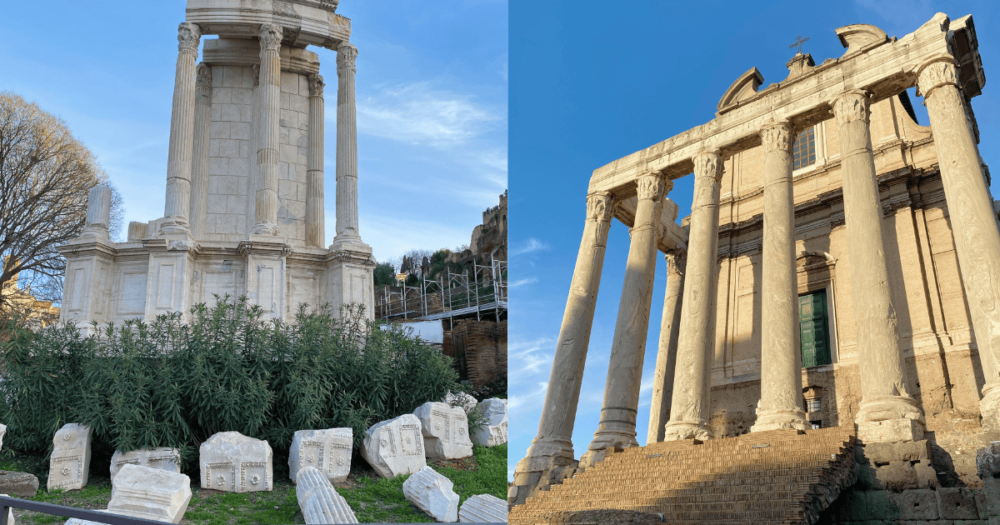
<point>814,329</point>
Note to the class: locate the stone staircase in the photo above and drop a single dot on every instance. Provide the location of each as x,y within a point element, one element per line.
<point>782,476</point>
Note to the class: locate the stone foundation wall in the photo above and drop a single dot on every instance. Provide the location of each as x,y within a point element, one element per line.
<point>956,506</point>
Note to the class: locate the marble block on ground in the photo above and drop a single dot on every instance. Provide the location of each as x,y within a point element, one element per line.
<point>445,429</point>
<point>232,462</point>
<point>319,501</point>
<point>150,493</point>
<point>483,508</point>
<point>3,431</point>
<point>69,465</point>
<point>494,429</point>
<point>327,450</point>
<point>467,402</point>
<point>395,447</point>
<point>20,484</point>
<point>163,458</point>
<point>432,493</point>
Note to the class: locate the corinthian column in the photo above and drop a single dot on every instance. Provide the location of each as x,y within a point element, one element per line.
<point>887,412</point>
<point>666,358</point>
<point>269,100</point>
<point>181,132</point>
<point>973,223</point>
<point>199,164</point>
<point>689,404</point>
<point>314,175</point>
<point>551,453</point>
<point>347,148</point>
<point>780,404</point>
<point>621,393</point>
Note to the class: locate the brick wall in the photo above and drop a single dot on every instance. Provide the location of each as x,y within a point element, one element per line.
<point>479,349</point>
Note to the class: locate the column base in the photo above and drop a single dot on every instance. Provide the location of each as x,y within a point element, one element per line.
<point>891,431</point>
<point>265,228</point>
<point>538,472</point>
<point>989,407</point>
<point>171,226</point>
<point>780,420</point>
<point>888,407</point>
<point>678,430</point>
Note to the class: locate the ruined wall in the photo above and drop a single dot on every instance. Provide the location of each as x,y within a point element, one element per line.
<point>479,349</point>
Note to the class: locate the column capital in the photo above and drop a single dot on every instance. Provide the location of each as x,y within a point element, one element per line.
<point>203,76</point>
<point>270,37</point>
<point>188,37</point>
<point>676,261</point>
<point>852,105</point>
<point>316,85</point>
<point>600,207</point>
<point>708,164</point>
<point>777,136</point>
<point>936,73</point>
<point>346,55</point>
<point>653,186</point>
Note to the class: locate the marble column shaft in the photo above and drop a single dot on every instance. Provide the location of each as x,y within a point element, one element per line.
<point>883,377</point>
<point>199,163</point>
<point>99,209</point>
<point>179,157</point>
<point>780,403</point>
<point>689,403</point>
<point>347,146</point>
<point>314,175</point>
<point>973,222</point>
<point>666,357</point>
<point>268,131</point>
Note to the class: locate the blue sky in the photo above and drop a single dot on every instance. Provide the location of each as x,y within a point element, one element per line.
<point>594,81</point>
<point>431,101</point>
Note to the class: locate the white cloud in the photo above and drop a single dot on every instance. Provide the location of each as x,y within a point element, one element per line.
<point>533,245</point>
<point>535,397</point>
<point>530,357</point>
<point>522,282</point>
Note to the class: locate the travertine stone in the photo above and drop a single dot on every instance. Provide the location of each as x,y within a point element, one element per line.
<point>314,176</point>
<point>780,404</point>
<point>883,381</point>
<point>328,450</point>
<point>666,357</point>
<point>269,107</point>
<point>494,429</point>
<point>318,500</point>
<point>200,150</point>
<point>621,393</point>
<point>689,407</point>
<point>347,148</point>
<point>178,203</point>
<point>988,461</point>
<point>467,402</point>
<point>483,508</point>
<point>150,493</point>
<point>445,430</point>
<point>162,458</point>
<point>232,462</point>
<point>20,484</point>
<point>890,430</point>
<point>977,239</point>
<point>69,465</point>
<point>395,447</point>
<point>432,493</point>
<point>137,231</point>
<point>99,211</point>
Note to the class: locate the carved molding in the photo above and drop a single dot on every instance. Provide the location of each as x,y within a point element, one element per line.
<point>743,88</point>
<point>859,36</point>
<point>203,76</point>
<point>270,37</point>
<point>940,72</point>
<point>188,38</point>
<point>346,55</point>
<point>316,85</point>
<point>852,105</point>
<point>777,136</point>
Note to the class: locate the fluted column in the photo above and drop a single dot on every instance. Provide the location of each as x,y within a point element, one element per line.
<point>689,403</point>
<point>314,175</point>
<point>621,391</point>
<point>99,211</point>
<point>268,132</point>
<point>780,404</point>
<point>666,358</point>
<point>973,222</point>
<point>178,200</point>
<point>199,164</point>
<point>347,147</point>
<point>887,412</point>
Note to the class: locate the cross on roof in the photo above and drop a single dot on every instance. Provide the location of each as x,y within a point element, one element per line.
<point>798,43</point>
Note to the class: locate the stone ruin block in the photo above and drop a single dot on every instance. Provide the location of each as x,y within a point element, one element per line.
<point>150,493</point>
<point>162,458</point>
<point>432,493</point>
<point>395,447</point>
<point>327,450</point>
<point>232,462</point>
<point>467,402</point>
<point>988,461</point>
<point>483,508</point>
<point>21,484</point>
<point>318,500</point>
<point>69,465</point>
<point>494,430</point>
<point>445,430</point>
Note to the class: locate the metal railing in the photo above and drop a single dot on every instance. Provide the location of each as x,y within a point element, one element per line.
<point>483,291</point>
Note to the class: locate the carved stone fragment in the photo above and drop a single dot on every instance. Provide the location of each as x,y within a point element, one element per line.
<point>461,399</point>
<point>432,493</point>
<point>445,430</point>
<point>395,447</point>
<point>327,450</point>
<point>69,465</point>
<point>494,430</point>
<point>319,501</point>
<point>163,458</point>
<point>150,493</point>
<point>483,508</point>
<point>232,462</point>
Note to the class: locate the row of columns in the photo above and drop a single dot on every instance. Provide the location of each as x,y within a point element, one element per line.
<point>187,163</point>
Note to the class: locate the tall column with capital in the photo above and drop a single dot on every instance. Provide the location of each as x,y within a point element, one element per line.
<point>314,175</point>
<point>666,358</point>
<point>621,393</point>
<point>199,162</point>
<point>550,456</point>
<point>689,403</point>
<point>347,147</point>
<point>780,404</point>
<point>887,412</point>
<point>178,201</point>
<point>973,222</point>
<point>268,131</point>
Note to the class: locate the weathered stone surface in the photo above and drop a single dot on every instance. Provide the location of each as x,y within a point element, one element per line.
<point>467,402</point>
<point>926,475</point>
<point>327,450</point>
<point>10,512</point>
<point>163,458</point>
<point>445,430</point>
<point>20,484</point>
<point>882,453</point>
<point>432,493</point>
<point>988,461</point>
<point>881,505</point>
<point>956,503</point>
<point>483,508</point>
<point>319,501</point>
<point>494,430</point>
<point>150,493</point>
<point>395,447</point>
<point>891,430</point>
<point>232,462</point>
<point>69,466</point>
<point>918,504</point>
<point>897,476</point>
